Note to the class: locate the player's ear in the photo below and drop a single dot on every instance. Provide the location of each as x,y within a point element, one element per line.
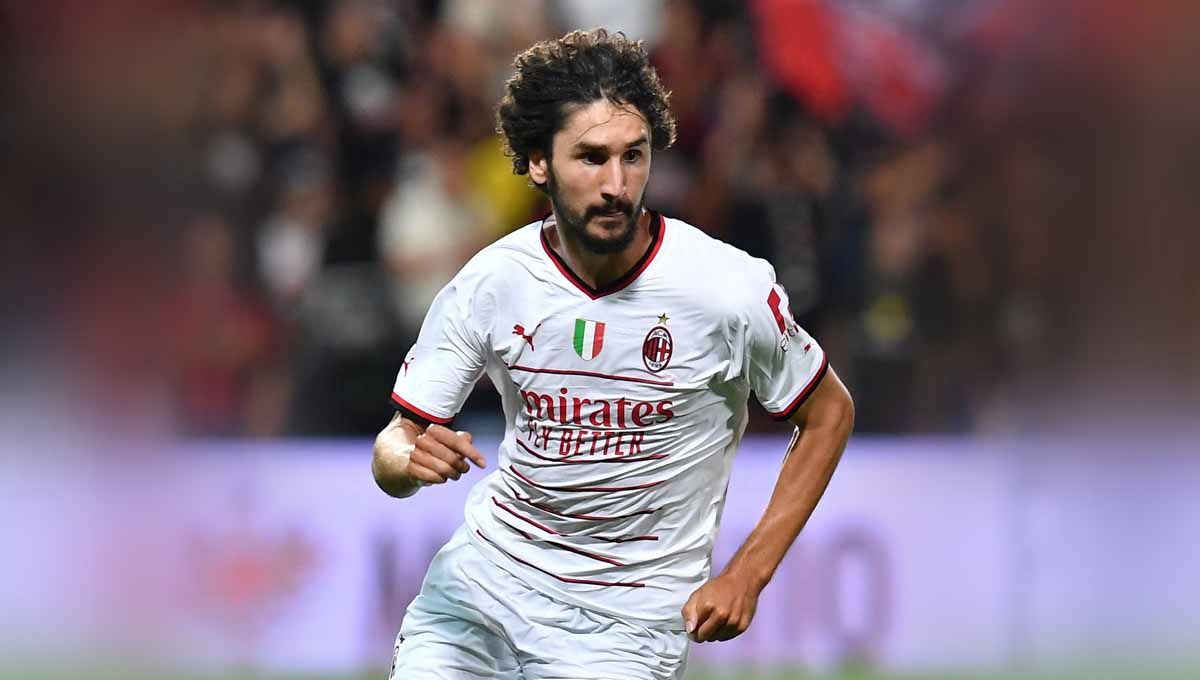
<point>539,167</point>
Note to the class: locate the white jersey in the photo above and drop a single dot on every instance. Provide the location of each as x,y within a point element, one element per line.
<point>624,407</point>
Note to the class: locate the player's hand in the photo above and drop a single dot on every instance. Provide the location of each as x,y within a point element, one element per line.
<point>721,609</point>
<point>441,454</point>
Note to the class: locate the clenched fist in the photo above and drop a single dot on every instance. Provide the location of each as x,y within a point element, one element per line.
<point>721,609</point>
<point>406,458</point>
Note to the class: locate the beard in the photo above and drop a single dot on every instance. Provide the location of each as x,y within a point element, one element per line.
<point>615,240</point>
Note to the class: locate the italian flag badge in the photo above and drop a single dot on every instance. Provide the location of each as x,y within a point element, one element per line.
<point>589,338</point>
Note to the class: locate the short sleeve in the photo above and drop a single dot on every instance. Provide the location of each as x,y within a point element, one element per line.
<point>440,370</point>
<point>784,364</point>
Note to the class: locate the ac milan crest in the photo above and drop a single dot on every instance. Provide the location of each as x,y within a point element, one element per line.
<point>657,349</point>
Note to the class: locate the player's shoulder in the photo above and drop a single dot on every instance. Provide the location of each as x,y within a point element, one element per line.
<point>715,265</point>
<point>496,262</point>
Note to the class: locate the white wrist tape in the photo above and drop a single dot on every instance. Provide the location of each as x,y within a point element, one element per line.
<point>403,451</point>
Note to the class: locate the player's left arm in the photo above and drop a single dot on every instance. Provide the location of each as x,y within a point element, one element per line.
<point>723,608</point>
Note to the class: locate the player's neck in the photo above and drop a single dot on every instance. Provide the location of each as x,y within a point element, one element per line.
<point>600,270</point>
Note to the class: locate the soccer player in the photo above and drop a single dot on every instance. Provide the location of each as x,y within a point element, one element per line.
<point>624,345</point>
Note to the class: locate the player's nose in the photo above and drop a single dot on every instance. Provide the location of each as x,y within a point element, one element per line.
<point>612,180</point>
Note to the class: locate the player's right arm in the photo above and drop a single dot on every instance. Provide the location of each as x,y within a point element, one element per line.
<point>417,448</point>
<point>410,454</point>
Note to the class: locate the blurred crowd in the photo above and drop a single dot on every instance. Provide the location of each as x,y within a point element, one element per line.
<point>923,176</point>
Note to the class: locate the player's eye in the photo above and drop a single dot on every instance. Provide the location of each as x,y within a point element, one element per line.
<point>595,158</point>
<point>632,155</point>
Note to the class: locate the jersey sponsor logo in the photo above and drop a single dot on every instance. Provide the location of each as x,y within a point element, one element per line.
<point>590,429</point>
<point>518,329</point>
<point>586,445</point>
<point>657,349</point>
<point>589,338</point>
<point>568,409</point>
<point>778,302</point>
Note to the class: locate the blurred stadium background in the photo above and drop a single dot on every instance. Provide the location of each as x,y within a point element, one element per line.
<point>224,221</point>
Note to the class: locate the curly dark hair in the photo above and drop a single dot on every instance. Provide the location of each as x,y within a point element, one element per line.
<point>578,68</point>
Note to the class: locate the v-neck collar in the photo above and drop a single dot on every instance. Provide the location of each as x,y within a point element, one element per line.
<point>656,219</point>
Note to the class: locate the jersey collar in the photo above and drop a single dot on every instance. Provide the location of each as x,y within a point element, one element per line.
<point>658,227</point>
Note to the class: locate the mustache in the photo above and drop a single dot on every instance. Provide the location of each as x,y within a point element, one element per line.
<point>621,207</point>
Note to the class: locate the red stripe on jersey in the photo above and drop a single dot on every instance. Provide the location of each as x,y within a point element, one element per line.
<point>804,394</point>
<point>507,525</point>
<point>589,374</point>
<point>578,551</point>
<point>427,416</point>
<point>584,488</point>
<point>565,579</point>
<point>594,518</point>
<point>585,553</point>
<point>620,539</point>
<point>523,518</point>
<point>543,527</point>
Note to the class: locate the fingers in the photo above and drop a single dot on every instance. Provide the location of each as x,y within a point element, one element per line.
<point>707,622</point>
<point>459,442</point>
<point>441,455</point>
<point>706,630</point>
<point>442,452</point>
<point>424,474</point>
<point>729,631</point>
<point>440,469</point>
<point>695,615</point>
<point>720,626</point>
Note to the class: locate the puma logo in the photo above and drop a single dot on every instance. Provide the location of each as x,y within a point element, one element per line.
<point>518,329</point>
